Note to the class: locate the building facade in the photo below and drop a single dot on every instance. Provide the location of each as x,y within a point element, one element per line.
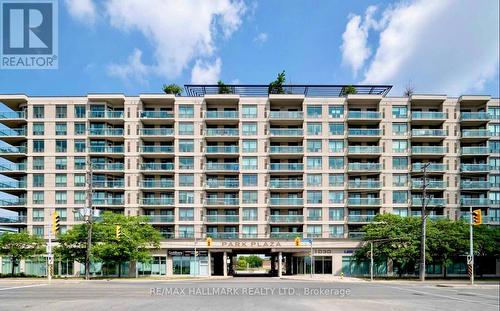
<point>251,170</point>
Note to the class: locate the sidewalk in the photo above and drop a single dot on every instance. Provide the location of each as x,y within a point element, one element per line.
<point>321,278</point>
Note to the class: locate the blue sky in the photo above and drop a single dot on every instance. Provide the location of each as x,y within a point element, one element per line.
<point>136,46</point>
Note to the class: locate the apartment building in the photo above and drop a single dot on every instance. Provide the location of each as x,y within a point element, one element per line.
<point>251,170</point>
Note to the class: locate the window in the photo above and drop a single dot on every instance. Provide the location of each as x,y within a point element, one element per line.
<point>62,213</point>
<point>494,129</point>
<point>399,128</point>
<point>314,163</point>
<point>61,197</point>
<point>314,112</point>
<point>336,180</point>
<point>79,145</point>
<point>335,111</point>
<point>61,163</point>
<point>399,112</point>
<point>249,145</point>
<point>250,214</point>
<point>314,145</point>
<point>336,163</point>
<point>249,231</point>
<point>79,111</point>
<point>186,111</point>
<point>186,232</point>
<point>494,113</point>
<point>336,128</point>
<point>399,146</point>
<point>38,112</point>
<point>249,180</point>
<point>79,180</point>
<point>80,163</point>
<point>336,214</point>
<point>38,145</point>
<point>314,231</point>
<point>314,214</point>
<point>61,128</point>
<point>314,129</point>
<point>399,180</point>
<point>61,145</point>
<point>336,197</point>
<point>79,197</point>
<point>186,180</point>
<point>38,180</point>
<point>61,111</point>
<point>400,163</point>
<point>38,197</point>
<point>494,164</point>
<point>249,128</point>
<point>186,197</point>
<point>38,129</point>
<point>336,145</point>
<point>186,214</point>
<point>249,111</point>
<point>186,145</point>
<point>494,198</point>
<point>314,180</point>
<point>336,231</point>
<point>38,231</point>
<point>494,146</point>
<point>249,197</point>
<point>314,197</point>
<point>38,163</point>
<point>186,163</point>
<point>61,180</point>
<point>249,163</point>
<point>399,197</point>
<point>186,128</point>
<point>79,128</point>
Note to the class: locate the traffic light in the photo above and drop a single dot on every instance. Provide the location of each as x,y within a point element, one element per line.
<point>209,241</point>
<point>476,217</point>
<point>118,232</point>
<point>56,227</point>
<point>297,241</point>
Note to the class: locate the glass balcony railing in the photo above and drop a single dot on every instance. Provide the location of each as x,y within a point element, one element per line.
<point>157,166</point>
<point>160,218</point>
<point>12,202</point>
<point>476,133</point>
<point>475,201</point>
<point>286,235</point>
<point>12,184</point>
<point>475,150</point>
<point>432,167</point>
<point>364,149</point>
<point>286,115</point>
<point>360,218</point>
<point>286,167</point>
<point>364,184</point>
<point>428,132</point>
<point>157,149</point>
<point>222,166</point>
<point>106,149</point>
<point>474,116</point>
<point>286,149</point>
<point>223,235</point>
<point>286,218</point>
<point>108,183</point>
<point>474,184</point>
<point>285,184</point>
<point>286,201</point>
<point>356,235</point>
<point>427,115</point>
<point>105,131</point>
<point>222,149</point>
<point>428,149</point>
<point>364,132</point>
<point>286,132</point>
<point>227,183</point>
<point>363,201</point>
<point>157,201</point>
<point>429,202</point>
<point>222,218</point>
<point>148,183</point>
<point>13,149</point>
<point>13,132</point>
<point>12,115</point>
<point>157,114</point>
<point>157,132</point>
<point>12,167</point>
<point>108,166</point>
<point>13,219</point>
<point>222,132</point>
<point>222,201</point>
<point>108,201</point>
<point>222,114</point>
<point>474,167</point>
<point>364,167</point>
<point>105,114</point>
<point>430,184</point>
<point>364,115</point>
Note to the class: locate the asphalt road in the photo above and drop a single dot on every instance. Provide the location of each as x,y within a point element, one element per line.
<point>240,294</point>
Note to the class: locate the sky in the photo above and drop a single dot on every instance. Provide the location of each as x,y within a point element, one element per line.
<point>133,46</point>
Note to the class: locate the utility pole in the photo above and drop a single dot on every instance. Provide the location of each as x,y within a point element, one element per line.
<point>371,261</point>
<point>89,219</point>
<point>50,257</point>
<point>470,258</point>
<point>423,225</point>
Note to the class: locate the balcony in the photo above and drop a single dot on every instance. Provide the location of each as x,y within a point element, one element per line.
<point>475,168</point>
<point>354,167</point>
<point>222,115</point>
<point>221,132</point>
<point>475,151</point>
<point>12,150</point>
<point>474,202</point>
<point>432,167</point>
<point>13,167</point>
<point>356,235</point>
<point>6,202</point>
<point>429,202</point>
<point>152,183</point>
<point>222,201</point>
<point>286,149</point>
<point>286,115</point>
<point>363,201</point>
<point>157,166</point>
<point>428,150</point>
<point>474,184</point>
<point>230,167</point>
<point>286,132</point>
<point>157,115</point>
<point>481,133</point>
<point>223,235</point>
<point>222,149</point>
<point>108,166</point>
<point>364,149</point>
<point>105,114</point>
<point>285,184</point>
<point>280,167</point>
<point>9,220</point>
<point>222,218</point>
<point>426,115</point>
<point>157,149</point>
<point>286,201</point>
<point>108,183</point>
<point>286,235</point>
<point>12,184</point>
<point>12,115</point>
<point>105,132</point>
<point>364,184</point>
<point>430,184</point>
<point>227,183</point>
<point>360,218</point>
<point>106,149</point>
<point>8,132</point>
<point>108,201</point>
<point>428,133</point>
<point>157,132</point>
<point>474,116</point>
<point>364,115</point>
<point>158,201</point>
<point>364,132</point>
<point>160,218</point>
<point>286,218</point>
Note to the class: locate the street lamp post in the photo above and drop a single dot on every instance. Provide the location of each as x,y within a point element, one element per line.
<point>423,224</point>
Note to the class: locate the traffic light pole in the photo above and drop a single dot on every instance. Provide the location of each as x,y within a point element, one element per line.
<point>50,259</point>
<point>89,214</point>
<point>471,251</point>
<point>423,224</point>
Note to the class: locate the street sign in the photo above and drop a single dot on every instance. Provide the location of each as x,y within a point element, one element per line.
<point>469,259</point>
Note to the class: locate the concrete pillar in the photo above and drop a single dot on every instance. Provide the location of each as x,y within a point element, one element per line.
<point>224,260</point>
<point>170,266</point>
<point>280,264</point>
<point>209,264</point>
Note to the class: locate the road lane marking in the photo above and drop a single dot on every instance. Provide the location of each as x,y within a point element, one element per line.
<point>24,286</point>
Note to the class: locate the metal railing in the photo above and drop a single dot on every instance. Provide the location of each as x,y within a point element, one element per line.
<point>364,184</point>
<point>474,167</point>
<point>222,149</point>
<point>286,167</point>
<point>286,201</point>
<point>430,184</point>
<point>152,183</point>
<point>157,201</point>
<point>286,115</point>
<point>360,218</point>
<point>364,115</point>
<point>428,149</point>
<point>364,166</point>
<point>286,132</point>
<point>157,115</point>
<point>105,114</point>
<point>12,184</point>
<point>286,149</point>
<point>13,167</point>
<point>210,166</point>
<point>160,218</point>
<point>106,149</point>
<point>286,235</point>
<point>286,218</point>
<point>285,184</point>
<point>475,202</point>
<point>429,202</point>
<point>363,201</point>
<point>105,131</point>
<point>432,167</point>
<point>222,218</point>
<point>157,166</point>
<point>226,183</point>
<point>223,235</point>
<point>474,184</point>
<point>13,149</point>
<point>157,149</point>
<point>13,219</point>
<point>13,132</point>
<point>222,132</point>
<point>13,202</point>
<point>108,183</point>
<point>12,115</point>
<point>108,166</point>
<point>108,201</point>
<point>428,132</point>
<point>476,133</point>
<point>474,116</point>
<point>364,149</point>
<point>364,132</point>
<point>157,131</point>
<point>222,201</point>
<point>427,115</point>
<point>475,150</point>
<point>222,114</point>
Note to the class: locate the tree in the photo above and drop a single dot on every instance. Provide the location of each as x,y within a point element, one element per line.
<point>135,244</point>
<point>19,246</point>
<point>350,89</point>
<point>73,243</point>
<point>487,240</point>
<point>172,89</point>
<point>223,88</point>
<point>254,261</point>
<point>276,87</point>
<point>409,89</point>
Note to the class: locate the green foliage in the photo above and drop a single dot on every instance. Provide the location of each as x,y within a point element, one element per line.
<point>73,243</point>
<point>276,87</point>
<point>487,240</point>
<point>252,261</point>
<point>350,89</point>
<point>223,88</point>
<point>19,246</point>
<point>172,89</point>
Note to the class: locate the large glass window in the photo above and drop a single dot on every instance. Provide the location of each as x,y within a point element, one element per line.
<point>61,145</point>
<point>336,163</point>
<point>249,111</point>
<point>400,163</point>
<point>335,145</point>
<point>181,265</point>
<point>38,197</point>
<point>61,180</point>
<point>314,231</point>
<point>79,180</point>
<point>79,111</point>
<point>38,129</point>
<point>314,197</point>
<point>80,163</point>
<point>314,112</point>
<point>38,163</point>
<point>335,111</point>
<point>186,231</point>
<point>79,197</point>
<point>399,112</point>
<point>186,180</point>
<point>38,145</point>
<point>399,180</point>
<point>313,129</point>
<point>61,197</point>
<point>61,163</point>
<point>61,111</point>
<point>186,197</point>
<point>314,180</point>
<point>186,145</point>
<point>335,214</point>
<point>250,214</point>
<point>61,128</point>
<point>336,128</point>
<point>249,231</point>
<point>38,112</point>
<point>79,128</point>
<point>249,145</point>
<point>335,197</point>
<point>399,145</point>
<point>38,180</point>
<point>186,214</point>
<point>399,197</point>
<point>336,231</point>
<point>249,180</point>
<point>314,145</point>
<point>186,111</point>
<point>399,128</point>
<point>336,180</point>
<point>186,163</point>
<point>62,213</point>
<point>79,145</point>
<point>249,163</point>
<point>249,197</point>
<point>186,128</point>
<point>314,163</point>
<point>249,128</point>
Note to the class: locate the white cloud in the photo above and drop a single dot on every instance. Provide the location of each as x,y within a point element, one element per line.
<point>206,73</point>
<point>134,69</point>
<point>82,10</point>
<point>261,38</point>
<point>447,46</point>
